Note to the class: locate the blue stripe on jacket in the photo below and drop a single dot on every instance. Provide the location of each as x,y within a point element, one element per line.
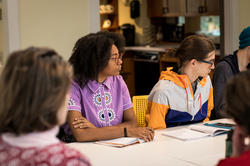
<point>176,118</point>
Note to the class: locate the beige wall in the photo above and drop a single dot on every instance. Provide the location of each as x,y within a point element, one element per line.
<point>141,23</point>
<point>1,38</point>
<point>53,23</point>
<point>244,14</point>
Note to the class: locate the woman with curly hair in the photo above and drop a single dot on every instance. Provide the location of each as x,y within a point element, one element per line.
<point>100,107</point>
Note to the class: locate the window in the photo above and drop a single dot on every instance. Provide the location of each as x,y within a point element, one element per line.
<point>210,25</point>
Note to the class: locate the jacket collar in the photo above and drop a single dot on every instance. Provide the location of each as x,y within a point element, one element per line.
<point>179,79</point>
<point>94,85</point>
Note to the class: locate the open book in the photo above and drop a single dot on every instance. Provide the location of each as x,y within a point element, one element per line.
<point>195,131</point>
<point>121,142</point>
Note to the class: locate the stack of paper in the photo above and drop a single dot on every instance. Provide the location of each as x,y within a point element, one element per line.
<point>212,131</point>
<point>195,132</point>
<point>121,142</point>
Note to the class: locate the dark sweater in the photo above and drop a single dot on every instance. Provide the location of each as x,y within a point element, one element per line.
<point>224,70</point>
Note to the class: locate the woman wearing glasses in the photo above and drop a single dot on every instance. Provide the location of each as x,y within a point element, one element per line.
<point>100,106</point>
<point>184,95</point>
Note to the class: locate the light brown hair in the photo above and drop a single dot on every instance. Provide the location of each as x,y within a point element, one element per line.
<point>33,87</point>
<point>193,47</point>
<point>237,96</point>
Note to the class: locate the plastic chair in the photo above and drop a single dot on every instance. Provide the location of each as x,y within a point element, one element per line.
<point>140,104</point>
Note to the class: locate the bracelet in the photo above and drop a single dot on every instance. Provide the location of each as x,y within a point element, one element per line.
<point>125,132</point>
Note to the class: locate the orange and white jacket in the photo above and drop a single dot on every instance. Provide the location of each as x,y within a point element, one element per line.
<point>172,101</point>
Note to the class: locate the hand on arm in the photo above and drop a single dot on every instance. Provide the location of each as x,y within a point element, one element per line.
<point>82,123</point>
<point>129,120</point>
<point>83,130</point>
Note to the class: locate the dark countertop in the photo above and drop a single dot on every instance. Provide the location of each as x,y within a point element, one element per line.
<point>145,49</point>
<point>159,47</point>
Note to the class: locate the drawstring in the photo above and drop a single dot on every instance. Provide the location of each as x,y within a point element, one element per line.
<point>187,96</point>
<point>200,103</point>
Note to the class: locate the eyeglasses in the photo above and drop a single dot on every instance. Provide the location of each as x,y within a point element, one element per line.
<point>211,62</point>
<point>116,57</point>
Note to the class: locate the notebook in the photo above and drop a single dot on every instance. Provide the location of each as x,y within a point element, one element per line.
<point>195,132</point>
<point>221,125</point>
<point>121,142</point>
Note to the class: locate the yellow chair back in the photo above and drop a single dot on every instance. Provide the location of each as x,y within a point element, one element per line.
<point>140,104</point>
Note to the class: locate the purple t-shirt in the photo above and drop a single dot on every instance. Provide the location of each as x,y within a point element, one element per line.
<point>101,104</point>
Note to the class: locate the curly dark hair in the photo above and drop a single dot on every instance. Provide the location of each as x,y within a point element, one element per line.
<point>33,85</point>
<point>119,40</point>
<point>237,96</point>
<point>193,47</point>
<point>90,56</point>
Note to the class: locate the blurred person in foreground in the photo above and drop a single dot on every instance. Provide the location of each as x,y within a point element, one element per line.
<point>34,86</point>
<point>237,97</point>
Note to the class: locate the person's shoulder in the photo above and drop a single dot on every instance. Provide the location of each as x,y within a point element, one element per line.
<point>76,90</point>
<point>222,65</point>
<point>75,85</point>
<point>208,79</point>
<point>161,92</point>
<point>71,156</point>
<point>163,84</point>
<point>116,78</point>
<point>205,81</point>
<point>223,69</point>
<point>162,87</point>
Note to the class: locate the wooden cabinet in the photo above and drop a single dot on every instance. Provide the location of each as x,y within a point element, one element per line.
<point>193,6</point>
<point>109,15</point>
<point>166,8</point>
<point>213,7</point>
<point>173,8</point>
<point>202,7</point>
